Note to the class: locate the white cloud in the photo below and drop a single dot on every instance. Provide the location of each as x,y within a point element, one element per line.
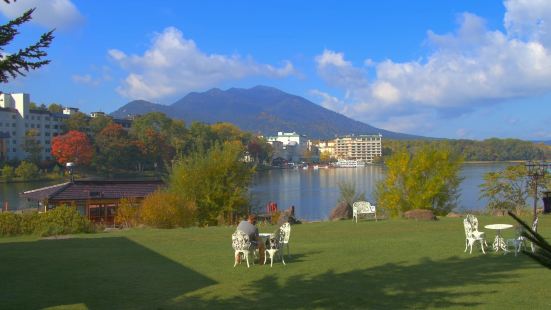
<point>59,14</point>
<point>471,67</point>
<point>174,65</point>
<point>100,75</point>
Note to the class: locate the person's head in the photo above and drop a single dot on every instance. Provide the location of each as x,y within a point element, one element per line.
<point>252,219</point>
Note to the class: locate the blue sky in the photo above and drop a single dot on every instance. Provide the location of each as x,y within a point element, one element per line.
<point>454,69</point>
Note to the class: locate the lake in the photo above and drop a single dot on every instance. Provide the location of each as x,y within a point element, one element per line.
<point>314,193</point>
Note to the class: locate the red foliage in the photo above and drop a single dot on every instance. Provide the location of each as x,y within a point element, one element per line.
<point>73,146</point>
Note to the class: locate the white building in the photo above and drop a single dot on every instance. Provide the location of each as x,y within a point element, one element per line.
<point>16,119</point>
<point>363,148</point>
<point>288,145</point>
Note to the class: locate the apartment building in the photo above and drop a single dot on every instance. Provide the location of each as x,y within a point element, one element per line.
<point>16,119</point>
<point>363,148</point>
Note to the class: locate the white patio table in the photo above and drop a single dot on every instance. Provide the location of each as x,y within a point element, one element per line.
<point>499,242</point>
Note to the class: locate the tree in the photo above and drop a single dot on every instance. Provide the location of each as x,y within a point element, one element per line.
<point>73,146</point>
<point>160,137</point>
<point>55,108</point>
<point>325,157</point>
<point>426,179</point>
<point>98,123</point>
<point>26,170</point>
<point>8,173</point>
<point>32,146</point>
<point>25,59</point>
<point>507,190</point>
<point>115,149</point>
<point>215,181</point>
<point>259,149</point>
<point>78,121</point>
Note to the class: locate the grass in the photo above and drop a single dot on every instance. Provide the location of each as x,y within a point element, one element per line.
<point>390,264</point>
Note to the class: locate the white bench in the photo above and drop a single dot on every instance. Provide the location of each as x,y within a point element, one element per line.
<point>363,208</point>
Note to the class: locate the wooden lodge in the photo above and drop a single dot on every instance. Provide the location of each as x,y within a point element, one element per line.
<point>96,199</point>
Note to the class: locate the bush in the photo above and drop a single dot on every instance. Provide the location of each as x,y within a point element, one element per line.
<point>10,224</point>
<point>61,221</point>
<point>166,210</point>
<point>30,221</point>
<point>127,213</point>
<point>27,170</point>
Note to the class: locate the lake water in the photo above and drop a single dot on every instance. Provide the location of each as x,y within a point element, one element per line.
<point>314,193</point>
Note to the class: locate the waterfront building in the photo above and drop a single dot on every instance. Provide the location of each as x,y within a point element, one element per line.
<point>288,145</point>
<point>98,200</point>
<point>327,147</point>
<point>17,118</point>
<point>364,148</point>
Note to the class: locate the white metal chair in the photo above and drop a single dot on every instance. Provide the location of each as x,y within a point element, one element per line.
<point>519,241</point>
<point>242,246</point>
<point>472,234</point>
<point>276,243</point>
<point>363,208</point>
<point>286,228</point>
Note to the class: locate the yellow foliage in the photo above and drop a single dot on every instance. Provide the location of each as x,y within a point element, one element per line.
<point>166,210</point>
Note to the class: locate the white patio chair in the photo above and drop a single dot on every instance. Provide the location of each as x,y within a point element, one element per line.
<point>242,246</point>
<point>286,228</point>
<point>519,242</point>
<point>276,243</point>
<point>472,235</point>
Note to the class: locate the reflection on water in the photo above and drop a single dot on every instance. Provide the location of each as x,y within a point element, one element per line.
<point>314,193</point>
<point>9,192</point>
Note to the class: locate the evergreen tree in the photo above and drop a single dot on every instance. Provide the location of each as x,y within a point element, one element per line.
<point>26,59</point>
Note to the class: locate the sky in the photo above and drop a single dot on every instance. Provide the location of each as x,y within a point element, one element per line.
<point>451,69</point>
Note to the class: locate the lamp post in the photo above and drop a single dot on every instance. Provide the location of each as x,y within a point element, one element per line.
<point>536,171</point>
<point>70,166</point>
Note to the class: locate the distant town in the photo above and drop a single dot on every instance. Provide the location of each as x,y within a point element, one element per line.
<point>17,119</point>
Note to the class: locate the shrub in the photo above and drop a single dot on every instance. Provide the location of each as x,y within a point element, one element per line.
<point>127,213</point>
<point>8,173</point>
<point>62,220</point>
<point>30,221</point>
<point>10,224</point>
<point>166,210</point>
<point>27,170</point>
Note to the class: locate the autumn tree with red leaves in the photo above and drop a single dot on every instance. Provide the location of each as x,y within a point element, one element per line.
<point>73,146</point>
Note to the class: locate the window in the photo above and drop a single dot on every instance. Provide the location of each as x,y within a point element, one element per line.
<point>13,124</point>
<point>47,142</point>
<point>32,125</point>
<point>46,126</point>
<point>38,117</point>
<point>47,118</point>
<point>13,133</point>
<point>56,126</point>
<point>32,118</point>
<point>47,134</point>
<point>14,141</point>
<point>14,150</point>
<point>13,116</point>
<point>37,125</point>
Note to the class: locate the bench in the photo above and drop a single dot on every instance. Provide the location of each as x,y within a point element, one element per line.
<point>363,208</point>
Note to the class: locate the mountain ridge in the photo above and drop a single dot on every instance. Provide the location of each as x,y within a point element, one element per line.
<point>260,109</point>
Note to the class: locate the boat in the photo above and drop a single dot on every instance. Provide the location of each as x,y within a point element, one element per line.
<point>347,163</point>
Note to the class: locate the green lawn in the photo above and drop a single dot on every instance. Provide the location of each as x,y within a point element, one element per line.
<point>390,264</point>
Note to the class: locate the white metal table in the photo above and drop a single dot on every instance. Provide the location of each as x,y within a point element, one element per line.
<point>499,242</point>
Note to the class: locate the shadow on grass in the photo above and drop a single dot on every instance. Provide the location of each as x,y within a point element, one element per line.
<point>102,273</point>
<point>452,282</point>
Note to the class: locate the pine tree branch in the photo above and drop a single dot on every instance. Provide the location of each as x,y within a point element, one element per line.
<point>543,249</point>
<point>29,58</point>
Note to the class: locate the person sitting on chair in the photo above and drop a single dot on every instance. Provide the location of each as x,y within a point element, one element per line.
<point>250,229</point>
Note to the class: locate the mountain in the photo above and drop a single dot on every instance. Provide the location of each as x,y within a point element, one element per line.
<point>260,109</point>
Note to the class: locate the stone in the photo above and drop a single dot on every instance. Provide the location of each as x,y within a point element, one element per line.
<point>341,212</point>
<point>420,214</point>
